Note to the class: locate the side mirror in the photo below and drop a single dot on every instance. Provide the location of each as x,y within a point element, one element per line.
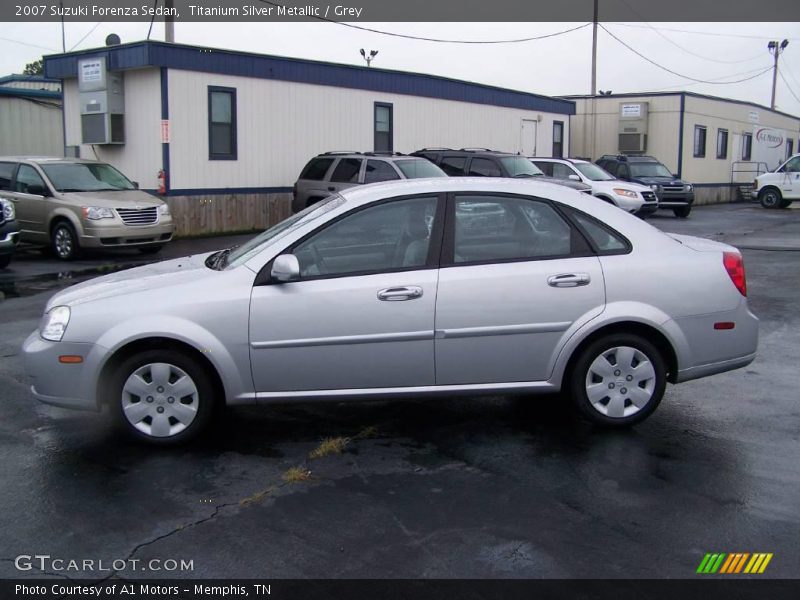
<point>135,185</point>
<point>574,177</point>
<point>37,190</point>
<point>285,268</point>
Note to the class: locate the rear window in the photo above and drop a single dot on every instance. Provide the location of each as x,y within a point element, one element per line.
<point>316,169</point>
<point>6,170</point>
<point>416,169</point>
<point>347,171</point>
<point>606,240</point>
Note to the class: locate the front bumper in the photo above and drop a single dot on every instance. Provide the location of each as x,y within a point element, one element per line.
<point>56,383</point>
<point>9,237</point>
<point>675,199</point>
<point>114,235</point>
<point>648,208</point>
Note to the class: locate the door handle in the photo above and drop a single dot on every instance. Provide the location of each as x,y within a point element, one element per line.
<point>397,294</point>
<point>569,280</point>
<point>331,188</point>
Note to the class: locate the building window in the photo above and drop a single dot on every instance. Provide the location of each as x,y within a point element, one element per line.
<point>221,123</point>
<point>747,146</point>
<point>558,139</point>
<point>699,141</point>
<point>789,148</point>
<point>383,127</point>
<point>722,143</point>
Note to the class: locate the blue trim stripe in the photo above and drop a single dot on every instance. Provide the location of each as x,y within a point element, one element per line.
<point>221,191</point>
<point>260,66</point>
<point>165,115</point>
<point>680,136</point>
<point>25,93</point>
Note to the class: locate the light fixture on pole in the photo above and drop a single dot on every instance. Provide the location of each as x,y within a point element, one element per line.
<point>775,48</point>
<point>372,54</point>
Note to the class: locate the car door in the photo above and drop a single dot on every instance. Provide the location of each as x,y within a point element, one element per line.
<point>30,202</point>
<point>515,276</point>
<point>361,314</point>
<point>790,182</point>
<point>346,174</point>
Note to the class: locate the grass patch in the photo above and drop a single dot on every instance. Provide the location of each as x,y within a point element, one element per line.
<point>296,475</point>
<point>368,432</point>
<point>329,446</point>
<point>257,497</point>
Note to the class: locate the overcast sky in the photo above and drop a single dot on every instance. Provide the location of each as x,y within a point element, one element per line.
<point>555,66</point>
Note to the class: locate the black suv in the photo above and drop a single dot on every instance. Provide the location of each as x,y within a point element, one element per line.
<point>482,162</point>
<point>672,192</point>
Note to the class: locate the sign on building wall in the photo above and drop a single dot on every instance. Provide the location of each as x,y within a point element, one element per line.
<point>165,131</point>
<point>753,116</point>
<point>631,110</point>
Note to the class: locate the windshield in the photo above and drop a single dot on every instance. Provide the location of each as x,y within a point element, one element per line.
<point>594,172</point>
<point>518,165</point>
<point>246,251</point>
<point>86,177</point>
<point>649,169</point>
<point>416,169</point>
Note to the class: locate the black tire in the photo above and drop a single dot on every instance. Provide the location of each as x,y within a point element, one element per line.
<point>178,361</point>
<point>785,203</point>
<point>5,260</point>
<point>682,211</point>
<point>770,197</point>
<point>580,374</point>
<point>151,249</point>
<point>64,241</point>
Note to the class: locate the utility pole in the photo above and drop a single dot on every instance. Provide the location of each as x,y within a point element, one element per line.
<point>594,49</point>
<point>169,22</point>
<point>775,48</point>
<point>63,36</point>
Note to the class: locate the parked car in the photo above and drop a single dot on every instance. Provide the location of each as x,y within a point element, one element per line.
<point>332,172</point>
<point>672,191</point>
<point>780,187</point>
<point>69,204</point>
<point>482,162</point>
<point>432,287</point>
<point>9,232</point>
<point>631,197</point>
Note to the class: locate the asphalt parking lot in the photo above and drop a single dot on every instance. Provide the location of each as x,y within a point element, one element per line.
<point>487,487</point>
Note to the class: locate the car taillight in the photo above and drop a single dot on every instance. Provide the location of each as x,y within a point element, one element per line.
<point>734,265</point>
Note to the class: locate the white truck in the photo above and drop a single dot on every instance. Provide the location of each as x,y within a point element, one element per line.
<point>778,188</point>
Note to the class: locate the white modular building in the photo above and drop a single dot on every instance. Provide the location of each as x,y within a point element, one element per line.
<point>30,116</point>
<point>225,133</point>
<point>717,144</point>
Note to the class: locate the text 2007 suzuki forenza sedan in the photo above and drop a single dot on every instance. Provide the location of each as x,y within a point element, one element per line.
<point>417,288</point>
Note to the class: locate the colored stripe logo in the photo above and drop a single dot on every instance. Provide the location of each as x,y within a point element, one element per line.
<point>734,563</point>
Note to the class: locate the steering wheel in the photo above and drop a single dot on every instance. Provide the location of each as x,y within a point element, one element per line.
<point>318,260</point>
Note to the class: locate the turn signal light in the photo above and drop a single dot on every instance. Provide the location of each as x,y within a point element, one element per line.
<point>734,265</point>
<point>70,359</point>
<point>724,325</point>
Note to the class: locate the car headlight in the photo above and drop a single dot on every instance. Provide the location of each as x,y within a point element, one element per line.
<point>97,212</point>
<point>164,209</point>
<point>8,210</point>
<point>54,323</point>
<point>626,193</point>
<point>689,187</point>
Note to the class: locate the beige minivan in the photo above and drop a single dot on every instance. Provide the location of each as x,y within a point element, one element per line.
<point>68,204</point>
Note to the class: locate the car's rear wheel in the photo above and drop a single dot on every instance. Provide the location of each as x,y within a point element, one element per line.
<point>770,198</point>
<point>682,211</point>
<point>618,380</point>
<point>64,241</point>
<point>162,397</point>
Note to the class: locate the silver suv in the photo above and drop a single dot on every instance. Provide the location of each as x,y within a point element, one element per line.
<point>332,172</point>
<point>70,203</point>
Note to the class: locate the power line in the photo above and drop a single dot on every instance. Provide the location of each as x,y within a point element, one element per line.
<point>663,68</point>
<point>437,40</point>
<point>788,87</point>
<point>731,35</point>
<point>715,79</point>
<point>150,29</point>
<point>27,44</point>
<point>88,33</point>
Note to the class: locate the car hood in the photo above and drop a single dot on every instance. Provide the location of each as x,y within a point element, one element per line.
<point>611,184</point>
<point>652,180</point>
<point>575,185</point>
<point>702,244</point>
<point>120,199</point>
<point>159,275</point>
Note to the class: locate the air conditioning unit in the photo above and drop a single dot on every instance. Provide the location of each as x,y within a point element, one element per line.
<point>102,102</point>
<point>632,132</point>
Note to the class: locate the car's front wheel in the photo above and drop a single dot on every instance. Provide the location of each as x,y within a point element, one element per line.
<point>682,211</point>
<point>65,241</point>
<point>770,198</point>
<point>618,380</point>
<point>162,397</point>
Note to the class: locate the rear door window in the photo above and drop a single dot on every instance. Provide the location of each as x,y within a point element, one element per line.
<point>347,171</point>
<point>453,165</point>
<point>483,167</point>
<point>316,169</point>
<point>6,174</point>
<point>379,170</point>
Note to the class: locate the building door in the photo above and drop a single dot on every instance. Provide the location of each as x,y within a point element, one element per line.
<point>528,137</point>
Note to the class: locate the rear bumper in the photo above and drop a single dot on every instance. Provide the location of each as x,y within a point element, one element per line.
<point>714,368</point>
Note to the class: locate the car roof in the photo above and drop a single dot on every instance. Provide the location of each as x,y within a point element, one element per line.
<point>47,159</point>
<point>371,155</point>
<point>573,161</point>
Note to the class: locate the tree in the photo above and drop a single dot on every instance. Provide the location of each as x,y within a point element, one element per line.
<point>34,68</point>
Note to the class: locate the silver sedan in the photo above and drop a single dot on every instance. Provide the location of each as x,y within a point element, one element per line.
<point>416,288</point>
